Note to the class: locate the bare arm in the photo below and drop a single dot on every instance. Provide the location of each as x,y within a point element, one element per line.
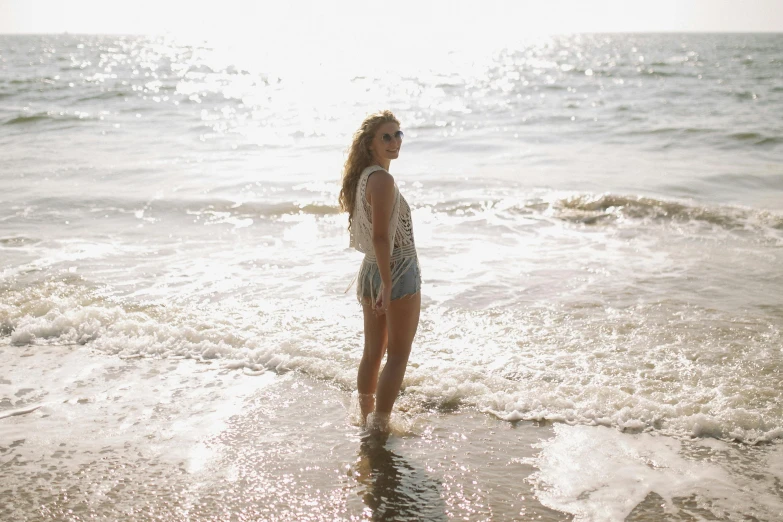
<point>380,192</point>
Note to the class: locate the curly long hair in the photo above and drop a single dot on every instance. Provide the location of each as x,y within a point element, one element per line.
<point>359,158</point>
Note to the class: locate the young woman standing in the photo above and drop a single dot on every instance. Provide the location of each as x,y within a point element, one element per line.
<point>389,280</point>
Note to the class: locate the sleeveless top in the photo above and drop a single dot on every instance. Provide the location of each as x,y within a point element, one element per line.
<point>403,248</point>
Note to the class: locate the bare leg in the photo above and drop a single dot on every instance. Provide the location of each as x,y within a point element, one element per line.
<point>403,321</point>
<point>375,338</point>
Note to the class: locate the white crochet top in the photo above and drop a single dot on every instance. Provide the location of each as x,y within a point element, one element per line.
<point>403,248</point>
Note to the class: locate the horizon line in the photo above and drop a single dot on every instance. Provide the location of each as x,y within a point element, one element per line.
<point>652,31</point>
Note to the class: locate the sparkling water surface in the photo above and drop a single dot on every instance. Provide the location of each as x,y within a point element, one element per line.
<point>599,220</point>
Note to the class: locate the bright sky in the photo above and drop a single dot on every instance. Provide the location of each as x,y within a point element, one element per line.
<point>422,20</point>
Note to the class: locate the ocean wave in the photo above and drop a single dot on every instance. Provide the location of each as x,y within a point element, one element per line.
<point>756,138</point>
<point>588,208</point>
<point>48,116</point>
<point>669,130</point>
<point>744,95</point>
<point>23,81</point>
<point>31,118</point>
<point>247,208</point>
<point>187,206</point>
<point>643,390</point>
<point>257,209</point>
<point>107,95</point>
<point>43,84</point>
<point>654,70</point>
<point>730,140</point>
<point>584,208</point>
<point>665,74</point>
<point>591,209</point>
<point>17,241</point>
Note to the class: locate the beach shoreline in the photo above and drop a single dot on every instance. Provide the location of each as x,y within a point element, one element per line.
<point>149,438</point>
<point>85,435</point>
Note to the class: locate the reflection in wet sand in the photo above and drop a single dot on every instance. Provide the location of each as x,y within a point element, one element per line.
<point>393,489</point>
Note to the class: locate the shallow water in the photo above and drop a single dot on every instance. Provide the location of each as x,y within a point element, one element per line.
<point>151,439</point>
<point>171,439</point>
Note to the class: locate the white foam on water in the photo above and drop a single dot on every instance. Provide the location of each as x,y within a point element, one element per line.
<point>621,368</point>
<point>775,463</point>
<point>101,402</point>
<point>599,474</point>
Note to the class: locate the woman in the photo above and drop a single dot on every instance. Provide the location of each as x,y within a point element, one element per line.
<point>389,281</point>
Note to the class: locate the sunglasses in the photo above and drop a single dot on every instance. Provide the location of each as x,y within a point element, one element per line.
<point>388,137</point>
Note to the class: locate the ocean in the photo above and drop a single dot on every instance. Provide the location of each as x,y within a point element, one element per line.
<point>599,221</point>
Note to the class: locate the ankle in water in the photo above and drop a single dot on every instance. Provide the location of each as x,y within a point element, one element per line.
<point>361,405</point>
<point>366,398</point>
<point>378,421</point>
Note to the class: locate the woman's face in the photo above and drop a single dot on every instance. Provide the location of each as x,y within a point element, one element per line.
<point>387,142</point>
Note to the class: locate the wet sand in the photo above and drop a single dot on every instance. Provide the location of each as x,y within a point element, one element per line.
<point>145,439</point>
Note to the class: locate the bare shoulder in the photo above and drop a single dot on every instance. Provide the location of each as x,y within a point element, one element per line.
<point>379,182</point>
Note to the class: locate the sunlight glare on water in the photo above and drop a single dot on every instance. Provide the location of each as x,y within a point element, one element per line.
<point>598,247</point>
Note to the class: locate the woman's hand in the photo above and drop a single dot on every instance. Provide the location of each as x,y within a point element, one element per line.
<point>384,298</point>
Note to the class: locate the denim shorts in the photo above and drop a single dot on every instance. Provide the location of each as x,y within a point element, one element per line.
<point>408,284</point>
